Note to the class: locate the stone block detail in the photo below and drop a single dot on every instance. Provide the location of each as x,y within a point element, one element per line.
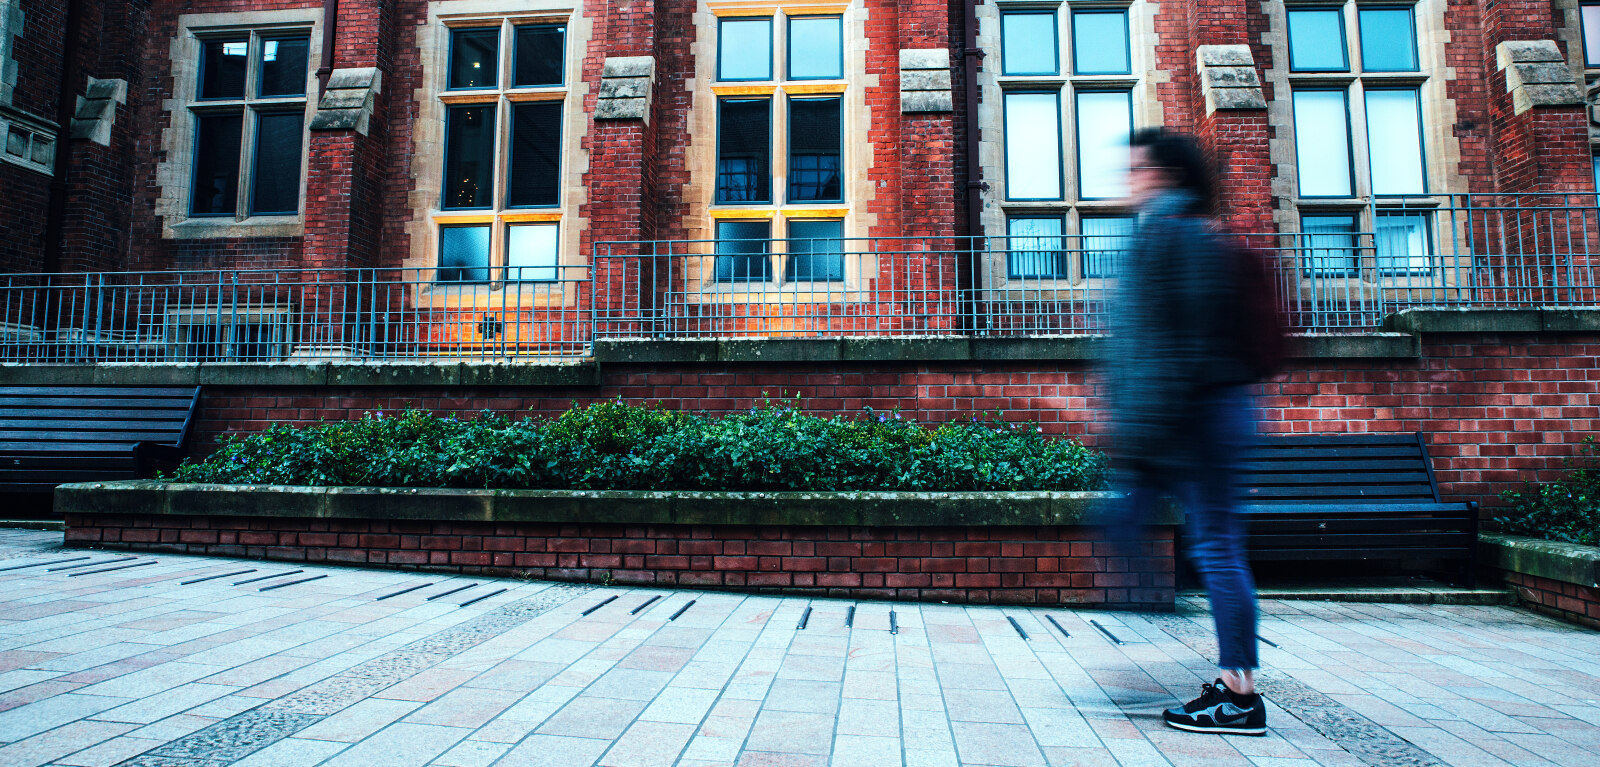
<point>925,80</point>
<point>1536,75</point>
<point>97,110</point>
<point>1228,78</point>
<point>347,102</point>
<point>626,85</point>
<point>11,21</point>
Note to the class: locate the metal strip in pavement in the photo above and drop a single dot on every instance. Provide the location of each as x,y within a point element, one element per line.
<point>682,610</point>
<point>214,577</point>
<point>1018,627</point>
<point>90,564</point>
<point>805,618</point>
<point>452,591</point>
<point>403,591</point>
<point>267,577</point>
<point>608,600</point>
<point>480,599</point>
<point>290,583</point>
<point>41,564</point>
<point>850,616</point>
<point>647,603</point>
<point>1106,631</point>
<point>894,626</point>
<point>1052,620</point>
<point>110,569</point>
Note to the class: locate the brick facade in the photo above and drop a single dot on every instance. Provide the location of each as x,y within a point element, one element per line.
<point>1568,601</point>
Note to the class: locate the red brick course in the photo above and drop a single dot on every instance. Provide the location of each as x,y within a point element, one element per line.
<point>1023,565</point>
<point>1568,601</point>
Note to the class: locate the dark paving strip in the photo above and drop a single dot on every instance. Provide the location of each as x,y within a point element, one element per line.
<point>90,564</point>
<point>647,603</point>
<point>110,569</point>
<point>805,618</point>
<point>1018,627</point>
<point>41,564</point>
<point>1106,631</point>
<point>1053,622</point>
<point>850,616</point>
<point>402,591</point>
<point>608,600</point>
<point>1360,736</point>
<point>451,591</point>
<point>214,577</point>
<point>894,624</point>
<point>480,599</point>
<point>682,610</point>
<point>241,735</point>
<point>291,583</point>
<point>267,577</point>
<point>1268,641</point>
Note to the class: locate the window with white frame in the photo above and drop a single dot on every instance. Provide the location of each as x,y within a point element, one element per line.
<point>1356,89</point>
<point>504,95</point>
<point>249,117</point>
<point>779,190</point>
<point>1067,82</point>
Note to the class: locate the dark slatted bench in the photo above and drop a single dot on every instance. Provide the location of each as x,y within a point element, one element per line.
<point>1352,497</point>
<point>57,434</point>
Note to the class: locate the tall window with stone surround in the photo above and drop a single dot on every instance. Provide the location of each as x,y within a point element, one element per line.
<point>1068,87</point>
<point>504,95</point>
<point>249,115</point>
<point>779,199</point>
<point>1358,114</point>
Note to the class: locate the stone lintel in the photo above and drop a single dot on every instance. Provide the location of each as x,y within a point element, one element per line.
<point>626,87</point>
<point>347,102</point>
<point>925,80</point>
<point>1228,78</point>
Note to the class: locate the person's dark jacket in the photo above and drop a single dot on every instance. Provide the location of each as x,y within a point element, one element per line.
<point>1171,332</point>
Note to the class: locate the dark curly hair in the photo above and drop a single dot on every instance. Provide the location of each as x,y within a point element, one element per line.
<point>1191,168</point>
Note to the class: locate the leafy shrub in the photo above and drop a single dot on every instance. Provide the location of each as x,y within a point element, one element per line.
<point>1567,509</point>
<point>616,446</point>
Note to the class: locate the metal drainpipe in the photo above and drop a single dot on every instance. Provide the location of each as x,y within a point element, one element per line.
<point>330,29</point>
<point>972,56</point>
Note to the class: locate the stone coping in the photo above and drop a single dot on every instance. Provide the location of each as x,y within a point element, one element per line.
<point>1533,319</point>
<point>853,509</point>
<point>1557,560</point>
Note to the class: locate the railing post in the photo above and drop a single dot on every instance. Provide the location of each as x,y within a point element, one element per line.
<point>233,318</point>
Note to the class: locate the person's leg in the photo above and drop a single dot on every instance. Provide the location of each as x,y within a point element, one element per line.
<point>1217,538</point>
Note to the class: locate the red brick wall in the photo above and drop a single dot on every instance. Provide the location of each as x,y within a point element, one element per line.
<point>1029,565</point>
<point>1569,601</point>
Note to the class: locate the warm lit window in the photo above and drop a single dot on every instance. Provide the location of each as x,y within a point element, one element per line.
<point>249,124</point>
<point>504,101</point>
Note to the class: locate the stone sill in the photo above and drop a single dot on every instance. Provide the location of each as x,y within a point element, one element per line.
<point>1519,320</point>
<point>440,373</point>
<point>1556,560</point>
<point>844,509</point>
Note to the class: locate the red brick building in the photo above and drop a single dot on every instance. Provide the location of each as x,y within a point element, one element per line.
<point>321,207</point>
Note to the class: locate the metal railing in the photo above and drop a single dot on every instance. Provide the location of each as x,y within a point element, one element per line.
<point>1343,272</point>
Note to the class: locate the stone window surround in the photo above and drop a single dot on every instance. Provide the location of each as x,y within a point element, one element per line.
<point>1441,152</point>
<point>174,174</point>
<point>39,132</point>
<point>432,97</point>
<point>12,21</point>
<point>1569,29</point>
<point>855,159</point>
<point>1147,111</point>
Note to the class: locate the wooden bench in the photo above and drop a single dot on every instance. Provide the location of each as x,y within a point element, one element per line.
<point>52,435</point>
<point>1352,497</point>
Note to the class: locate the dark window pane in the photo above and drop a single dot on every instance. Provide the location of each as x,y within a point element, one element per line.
<point>816,251</point>
<point>468,157</point>
<point>1316,41</point>
<point>1387,42</point>
<point>540,55</point>
<point>535,154</point>
<point>744,49</point>
<point>744,151</point>
<point>464,254</point>
<point>1329,244</point>
<point>277,173</point>
<point>222,65</point>
<point>474,58</point>
<point>216,164</point>
<point>1034,248</point>
<point>814,142</point>
<point>1100,43</point>
<point>742,248</point>
<point>816,48</point>
<point>283,66</point>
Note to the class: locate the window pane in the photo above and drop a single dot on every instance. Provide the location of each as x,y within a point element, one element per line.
<point>535,171</point>
<point>468,157</point>
<point>17,142</point>
<point>1100,43</point>
<point>1591,35</point>
<point>1316,41</point>
<point>1028,44</point>
<point>1105,118</point>
<point>741,251</point>
<point>222,64</point>
<point>816,48</point>
<point>816,250</point>
<point>1330,244</point>
<point>1106,240</point>
<point>1322,143</point>
<point>1035,248</point>
<point>277,173</point>
<point>541,55</point>
<point>464,254</point>
<point>1402,242</point>
<point>216,164</point>
<point>814,140</point>
<point>283,66</point>
<point>474,58</point>
<point>531,252</point>
<point>1394,138</point>
<point>1388,44</point>
<point>1033,146</point>
<point>744,151</point>
<point>745,49</point>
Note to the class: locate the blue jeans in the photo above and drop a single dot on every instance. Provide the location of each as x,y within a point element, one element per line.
<point>1202,483</point>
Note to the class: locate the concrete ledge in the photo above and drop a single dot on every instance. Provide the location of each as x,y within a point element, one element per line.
<point>1344,346</point>
<point>1559,561</point>
<point>954,348</point>
<point>1520,320</point>
<point>442,373</point>
<point>848,509</point>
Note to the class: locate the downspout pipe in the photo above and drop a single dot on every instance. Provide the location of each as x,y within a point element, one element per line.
<point>330,31</point>
<point>971,58</point>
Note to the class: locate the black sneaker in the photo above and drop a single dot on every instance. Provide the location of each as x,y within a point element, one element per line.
<point>1218,710</point>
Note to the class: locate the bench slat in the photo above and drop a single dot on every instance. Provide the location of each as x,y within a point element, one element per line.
<point>1276,453</point>
<point>88,436</point>
<point>97,424</point>
<point>97,391</point>
<point>1279,555</point>
<point>7,403</point>
<point>1298,440</point>
<point>1255,479</point>
<point>1334,464</point>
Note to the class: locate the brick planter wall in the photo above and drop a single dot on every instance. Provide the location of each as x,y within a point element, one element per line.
<point>1010,564</point>
<point>1568,601</point>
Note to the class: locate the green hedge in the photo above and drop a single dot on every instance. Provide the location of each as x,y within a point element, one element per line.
<point>616,446</point>
<point>1565,510</point>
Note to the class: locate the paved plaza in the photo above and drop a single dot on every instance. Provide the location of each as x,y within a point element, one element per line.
<point>180,661</point>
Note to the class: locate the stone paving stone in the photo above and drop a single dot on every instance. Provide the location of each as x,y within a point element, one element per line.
<point>400,745</point>
<point>594,718</point>
<point>49,713</point>
<point>791,732</point>
<point>359,721</point>
<point>648,744</point>
<point>108,753</point>
<point>556,751</point>
<point>1008,745</point>
<point>292,752</point>
<point>58,742</point>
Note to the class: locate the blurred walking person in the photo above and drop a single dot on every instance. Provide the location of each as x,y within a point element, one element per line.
<point>1177,379</point>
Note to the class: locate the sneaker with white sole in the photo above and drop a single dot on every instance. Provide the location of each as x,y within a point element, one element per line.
<point>1221,711</point>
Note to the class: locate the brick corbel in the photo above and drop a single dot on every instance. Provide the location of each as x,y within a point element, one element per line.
<point>347,102</point>
<point>1228,79</point>
<point>925,80</point>
<point>1536,75</point>
<point>626,84</point>
<point>97,110</point>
